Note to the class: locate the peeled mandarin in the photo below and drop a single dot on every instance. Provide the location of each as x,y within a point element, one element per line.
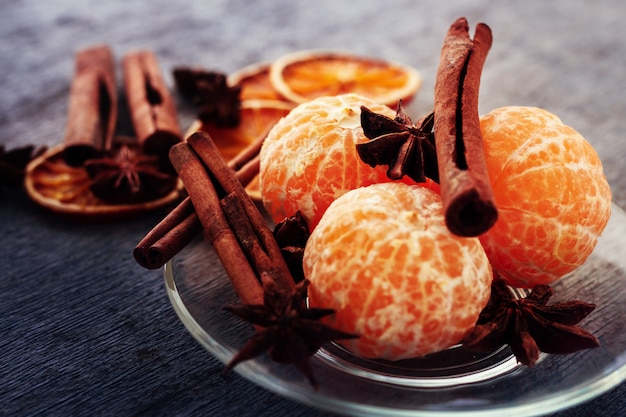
<point>552,195</point>
<point>309,157</point>
<point>384,260</point>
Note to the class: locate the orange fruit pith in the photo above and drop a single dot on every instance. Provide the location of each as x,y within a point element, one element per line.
<point>552,195</point>
<point>309,157</point>
<point>384,260</point>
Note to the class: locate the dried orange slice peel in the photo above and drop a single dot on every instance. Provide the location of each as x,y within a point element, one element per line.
<point>255,83</point>
<point>257,118</point>
<point>305,75</point>
<point>54,185</point>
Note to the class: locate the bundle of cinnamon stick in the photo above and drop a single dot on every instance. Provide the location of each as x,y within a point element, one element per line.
<point>93,105</point>
<point>230,219</point>
<point>181,225</point>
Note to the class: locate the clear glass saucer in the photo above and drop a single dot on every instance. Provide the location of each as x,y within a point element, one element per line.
<point>451,383</point>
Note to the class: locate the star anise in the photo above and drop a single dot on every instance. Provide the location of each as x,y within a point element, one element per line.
<point>128,176</point>
<point>530,326</point>
<point>13,163</point>
<point>218,102</point>
<point>407,149</point>
<point>291,234</point>
<point>290,331</point>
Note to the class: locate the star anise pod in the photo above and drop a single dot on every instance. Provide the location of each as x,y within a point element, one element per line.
<point>128,176</point>
<point>530,326</point>
<point>406,149</point>
<point>291,234</point>
<point>290,331</point>
<point>218,102</point>
<point>13,163</point>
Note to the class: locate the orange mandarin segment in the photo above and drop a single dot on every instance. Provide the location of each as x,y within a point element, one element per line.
<point>309,157</point>
<point>552,196</point>
<point>384,260</point>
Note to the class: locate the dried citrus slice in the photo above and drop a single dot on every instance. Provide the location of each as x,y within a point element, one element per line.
<point>56,186</point>
<point>552,195</point>
<point>257,118</point>
<point>305,75</point>
<point>255,83</point>
<point>384,260</point>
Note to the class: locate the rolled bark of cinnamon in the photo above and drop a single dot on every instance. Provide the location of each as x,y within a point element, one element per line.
<point>207,204</point>
<point>92,111</point>
<point>181,225</point>
<point>226,178</point>
<point>168,237</point>
<point>152,107</point>
<point>466,192</point>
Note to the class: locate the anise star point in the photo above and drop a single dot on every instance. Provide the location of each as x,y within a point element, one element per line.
<point>530,326</point>
<point>128,176</point>
<point>291,234</point>
<point>217,102</point>
<point>289,330</point>
<point>406,149</point>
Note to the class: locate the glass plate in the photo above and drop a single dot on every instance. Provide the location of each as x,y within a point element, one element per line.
<point>451,383</point>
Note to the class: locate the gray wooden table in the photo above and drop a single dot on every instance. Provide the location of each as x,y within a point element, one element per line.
<point>85,330</point>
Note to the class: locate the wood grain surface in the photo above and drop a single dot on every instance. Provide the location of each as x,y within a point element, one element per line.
<point>84,329</point>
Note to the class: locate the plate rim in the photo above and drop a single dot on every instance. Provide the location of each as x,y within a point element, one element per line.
<point>564,399</point>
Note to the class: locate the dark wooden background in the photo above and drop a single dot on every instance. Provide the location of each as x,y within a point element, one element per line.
<point>85,330</point>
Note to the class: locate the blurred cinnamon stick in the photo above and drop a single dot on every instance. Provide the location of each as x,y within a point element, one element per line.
<point>466,192</point>
<point>92,111</point>
<point>152,107</point>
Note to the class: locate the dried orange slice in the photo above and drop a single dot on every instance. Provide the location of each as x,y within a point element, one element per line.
<point>257,118</point>
<point>56,186</point>
<point>305,75</point>
<point>255,83</point>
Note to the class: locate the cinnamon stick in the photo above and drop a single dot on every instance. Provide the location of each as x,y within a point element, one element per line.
<point>209,153</point>
<point>168,237</point>
<point>465,188</point>
<point>152,107</point>
<point>207,204</point>
<point>92,110</point>
<point>241,225</point>
<point>175,231</point>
